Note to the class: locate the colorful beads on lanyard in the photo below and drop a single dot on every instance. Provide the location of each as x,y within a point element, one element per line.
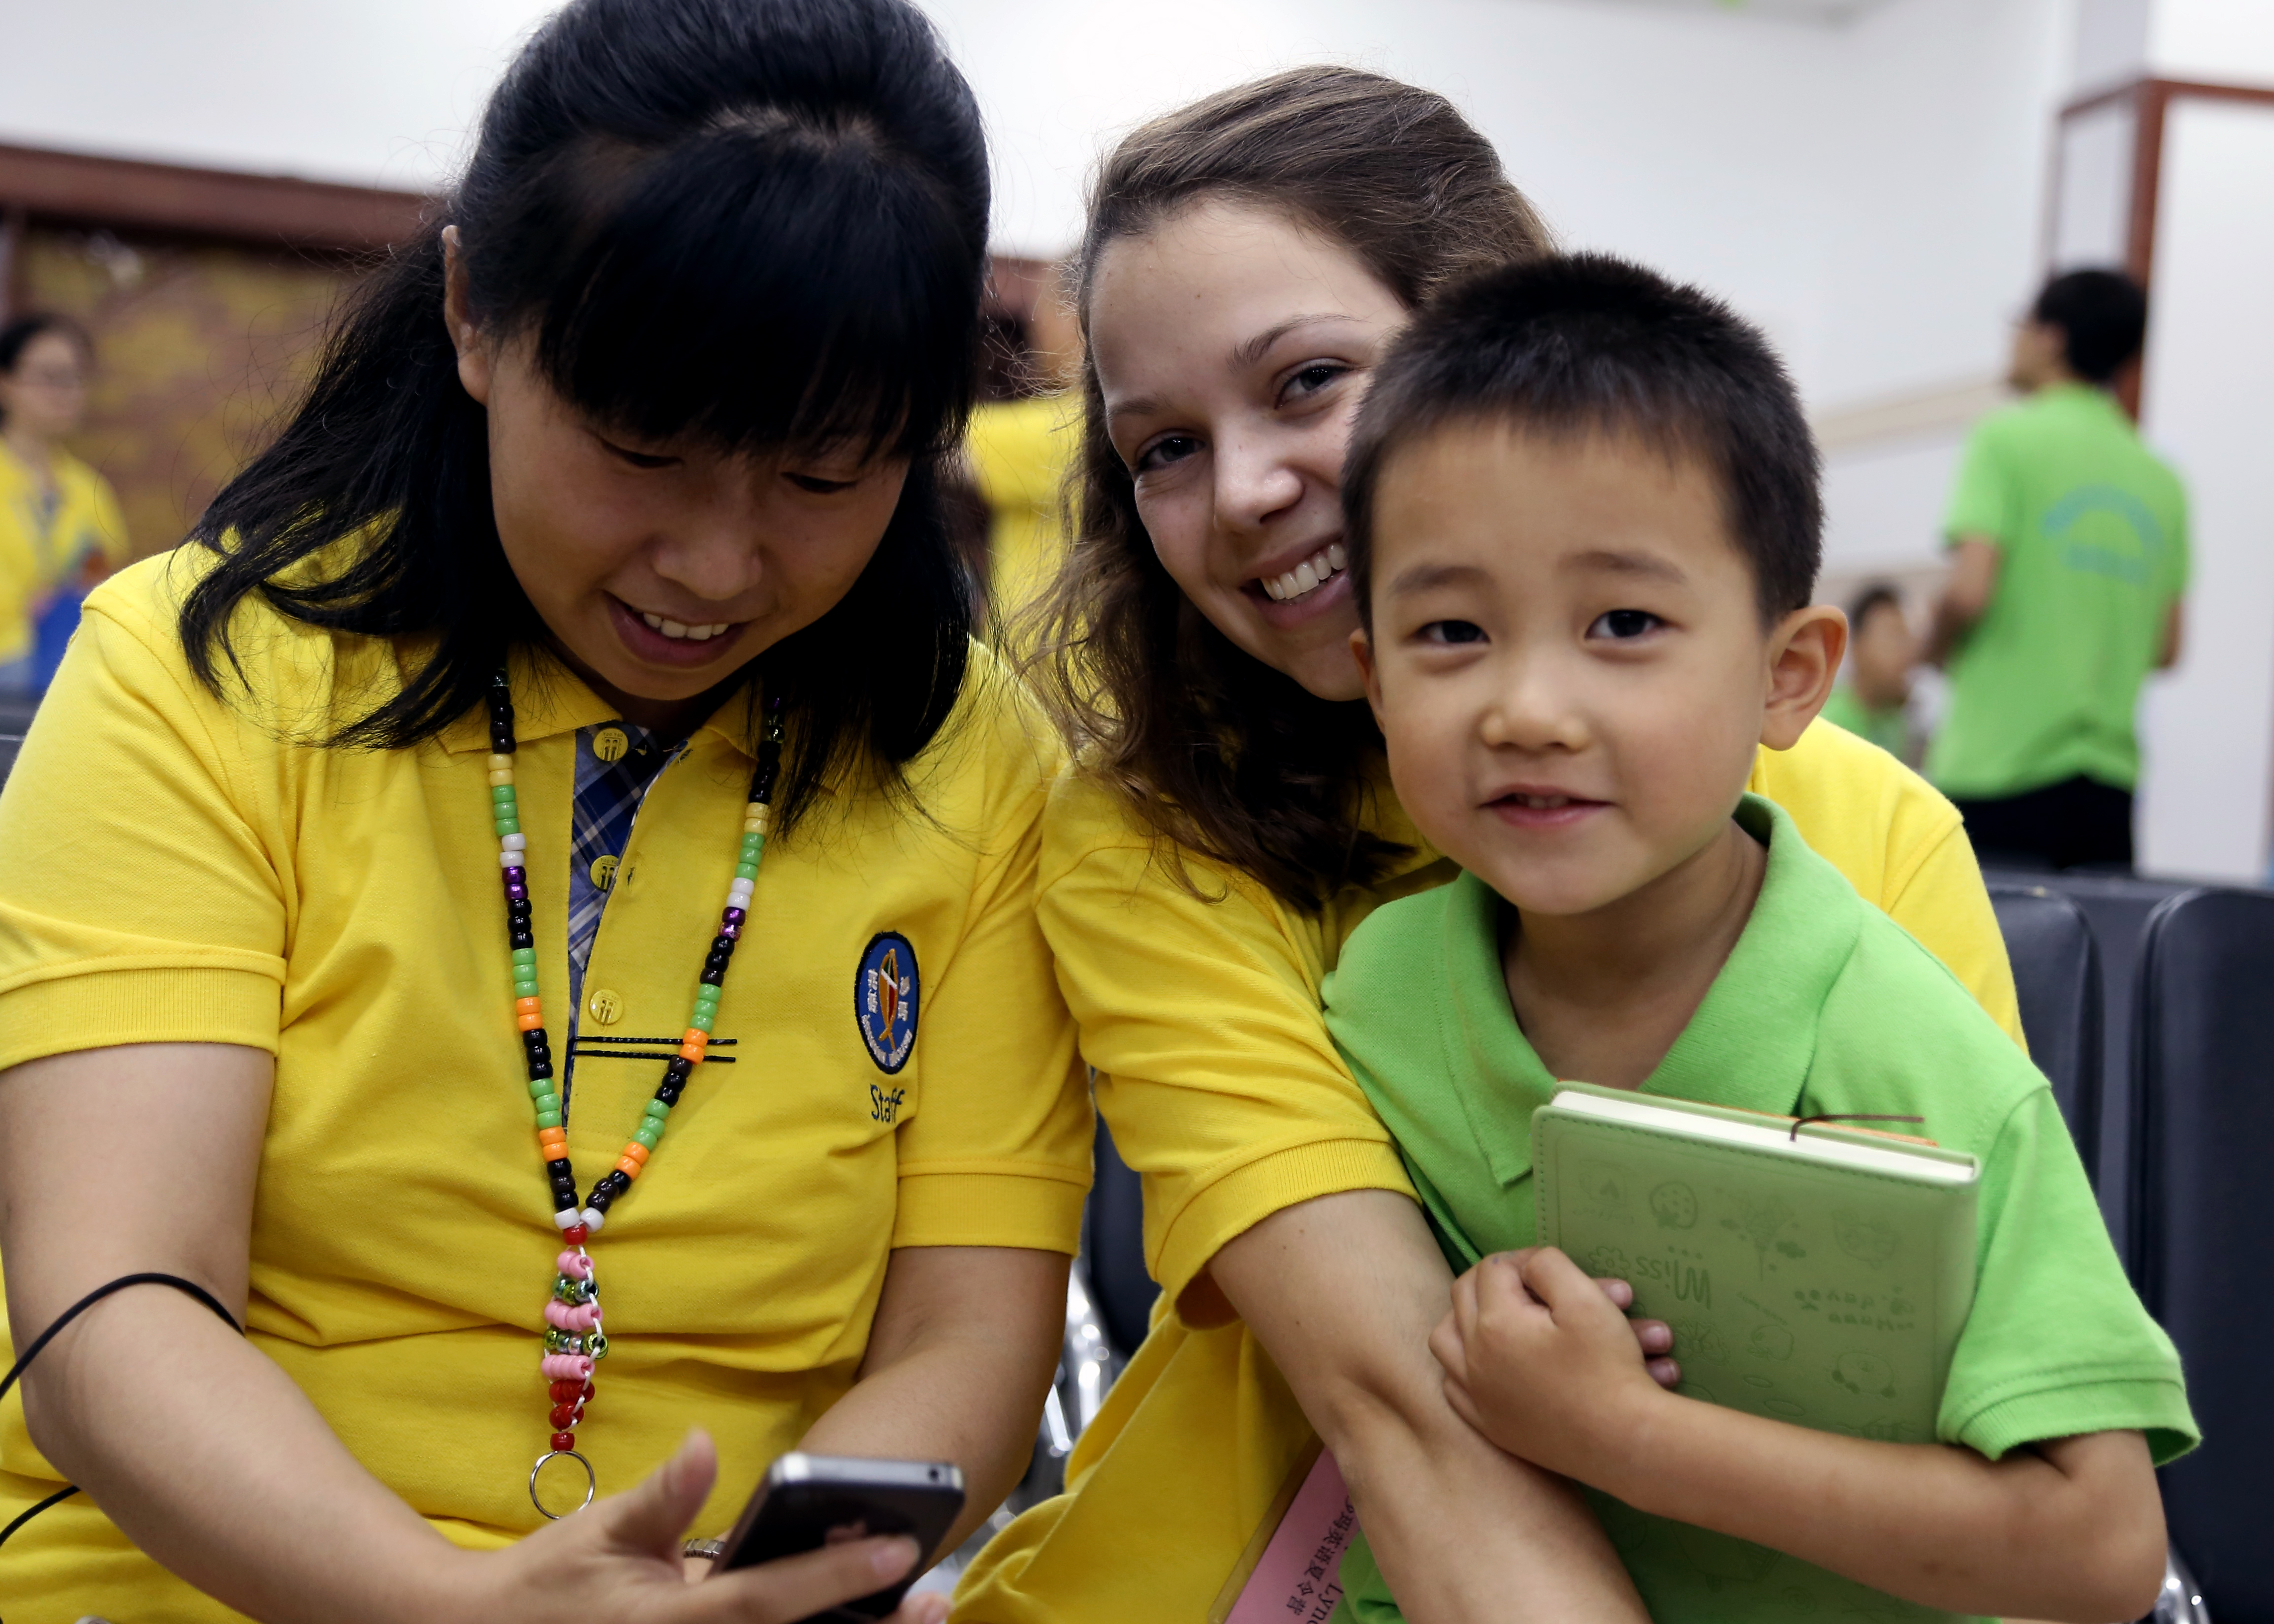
<point>573,1340</point>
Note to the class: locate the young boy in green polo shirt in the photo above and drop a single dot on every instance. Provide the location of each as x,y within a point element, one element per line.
<point>1583,521</point>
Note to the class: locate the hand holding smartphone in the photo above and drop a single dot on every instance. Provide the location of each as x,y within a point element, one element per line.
<point>807,1502</point>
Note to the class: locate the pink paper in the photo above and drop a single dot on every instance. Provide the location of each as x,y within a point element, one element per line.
<point>1299,1579</point>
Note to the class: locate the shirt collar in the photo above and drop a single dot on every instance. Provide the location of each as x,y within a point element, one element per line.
<point>2091,395</point>
<point>1751,1043</point>
<point>548,698</point>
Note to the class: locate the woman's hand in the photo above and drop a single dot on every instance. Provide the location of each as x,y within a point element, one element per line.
<point>620,1560</point>
<point>211,1459</point>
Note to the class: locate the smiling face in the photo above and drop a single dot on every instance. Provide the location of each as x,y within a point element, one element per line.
<point>1232,348</point>
<point>661,571</point>
<point>1568,659</point>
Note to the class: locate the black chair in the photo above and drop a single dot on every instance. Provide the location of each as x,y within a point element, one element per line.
<point>1113,1248</point>
<point>2202,1145</point>
<point>2057,974</point>
<point>1109,1308</point>
<point>2117,907</point>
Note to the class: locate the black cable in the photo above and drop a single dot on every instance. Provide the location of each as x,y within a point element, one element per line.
<point>190,1287</point>
<point>60,1495</point>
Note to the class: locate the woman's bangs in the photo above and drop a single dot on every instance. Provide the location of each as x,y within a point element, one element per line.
<point>757,291</point>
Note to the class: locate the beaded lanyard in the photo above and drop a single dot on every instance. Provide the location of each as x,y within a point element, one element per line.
<point>574,1341</point>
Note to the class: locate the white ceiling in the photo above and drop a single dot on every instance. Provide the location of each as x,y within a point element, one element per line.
<point>1805,10</point>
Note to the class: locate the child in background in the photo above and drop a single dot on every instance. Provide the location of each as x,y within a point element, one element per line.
<point>1584,527</point>
<point>1881,650</point>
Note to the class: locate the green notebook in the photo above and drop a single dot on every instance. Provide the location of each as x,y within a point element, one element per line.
<point>1820,1280</point>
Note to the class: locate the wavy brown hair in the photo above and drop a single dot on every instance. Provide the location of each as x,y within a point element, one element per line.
<point>1222,756</point>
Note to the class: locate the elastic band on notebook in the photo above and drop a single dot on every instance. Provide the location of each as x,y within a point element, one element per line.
<point>1847,1116</point>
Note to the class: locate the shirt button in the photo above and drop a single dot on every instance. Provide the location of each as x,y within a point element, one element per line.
<point>603,872</point>
<point>609,744</point>
<point>606,1006</point>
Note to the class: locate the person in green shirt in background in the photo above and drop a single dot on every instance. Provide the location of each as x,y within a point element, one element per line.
<point>1582,522</point>
<point>1881,649</point>
<point>2069,545</point>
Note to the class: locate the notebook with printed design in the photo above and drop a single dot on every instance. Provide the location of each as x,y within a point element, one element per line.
<point>1820,1278</point>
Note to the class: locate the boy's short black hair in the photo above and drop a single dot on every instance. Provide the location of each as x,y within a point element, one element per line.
<point>1879,595</point>
<point>2102,316</point>
<point>1589,342</point>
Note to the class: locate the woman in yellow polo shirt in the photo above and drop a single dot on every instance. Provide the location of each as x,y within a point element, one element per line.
<point>1245,259</point>
<point>532,912</point>
<point>60,527</point>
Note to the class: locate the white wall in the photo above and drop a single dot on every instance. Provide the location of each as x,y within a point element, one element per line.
<point>366,93</point>
<point>1932,209</point>
<point>2208,729</point>
<point>2111,41</point>
<point>2223,41</point>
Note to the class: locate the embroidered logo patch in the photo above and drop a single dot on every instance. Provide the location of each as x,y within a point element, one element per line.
<point>884,1000</point>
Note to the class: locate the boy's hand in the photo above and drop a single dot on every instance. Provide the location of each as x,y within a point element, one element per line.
<point>1654,1337</point>
<point>1538,1358</point>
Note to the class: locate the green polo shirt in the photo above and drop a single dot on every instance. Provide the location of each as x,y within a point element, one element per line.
<point>2092,537</point>
<point>1826,1005</point>
<point>1888,728</point>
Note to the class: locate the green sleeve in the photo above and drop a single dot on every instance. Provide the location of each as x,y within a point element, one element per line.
<point>2057,1344</point>
<point>1365,1593</point>
<point>1982,501</point>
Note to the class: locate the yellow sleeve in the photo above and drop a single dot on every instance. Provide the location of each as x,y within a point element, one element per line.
<point>155,911</point>
<point>1902,845</point>
<point>998,1151</point>
<point>1201,1015</point>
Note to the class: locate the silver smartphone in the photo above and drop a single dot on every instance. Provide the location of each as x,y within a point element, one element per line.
<point>809,1501</point>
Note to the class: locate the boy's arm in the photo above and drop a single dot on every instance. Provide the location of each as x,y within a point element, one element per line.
<point>1539,1361</point>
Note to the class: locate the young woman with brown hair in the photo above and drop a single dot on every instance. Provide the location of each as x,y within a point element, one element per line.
<point>1245,260</point>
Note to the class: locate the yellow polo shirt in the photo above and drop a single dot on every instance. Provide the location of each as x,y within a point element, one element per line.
<point>41,546</point>
<point>190,876</point>
<point>1225,1094</point>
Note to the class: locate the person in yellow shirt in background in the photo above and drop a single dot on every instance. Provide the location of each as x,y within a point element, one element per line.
<point>1021,451</point>
<point>1245,262</point>
<point>1871,697</point>
<point>60,527</point>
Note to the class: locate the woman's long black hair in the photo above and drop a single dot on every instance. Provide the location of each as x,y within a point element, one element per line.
<point>749,224</point>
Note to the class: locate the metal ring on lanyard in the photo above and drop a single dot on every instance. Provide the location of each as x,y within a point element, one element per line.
<point>591,1483</point>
